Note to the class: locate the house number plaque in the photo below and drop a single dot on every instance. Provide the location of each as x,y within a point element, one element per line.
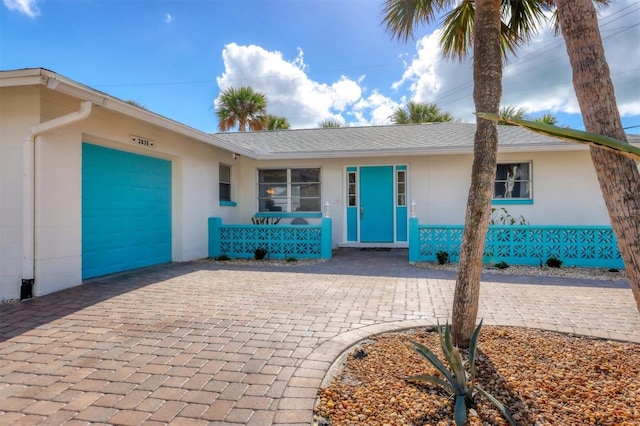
<point>137,140</point>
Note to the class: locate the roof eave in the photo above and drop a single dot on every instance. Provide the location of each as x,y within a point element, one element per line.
<point>306,155</point>
<point>59,83</point>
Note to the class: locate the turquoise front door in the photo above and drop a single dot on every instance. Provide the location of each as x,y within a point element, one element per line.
<point>376,204</point>
<point>126,211</point>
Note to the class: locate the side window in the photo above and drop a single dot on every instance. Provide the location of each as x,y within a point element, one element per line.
<point>351,189</point>
<point>225,182</point>
<point>402,188</point>
<point>513,181</point>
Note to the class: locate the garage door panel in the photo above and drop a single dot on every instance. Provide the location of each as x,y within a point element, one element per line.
<point>126,211</point>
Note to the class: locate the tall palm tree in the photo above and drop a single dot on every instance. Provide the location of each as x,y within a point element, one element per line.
<point>618,176</point>
<point>479,22</point>
<point>519,21</point>
<point>274,122</point>
<point>242,107</point>
<point>417,112</point>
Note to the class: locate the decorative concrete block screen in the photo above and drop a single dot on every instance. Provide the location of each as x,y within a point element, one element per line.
<point>280,241</point>
<point>588,246</point>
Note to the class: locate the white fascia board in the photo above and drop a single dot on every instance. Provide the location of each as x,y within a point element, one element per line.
<point>26,77</point>
<point>61,84</point>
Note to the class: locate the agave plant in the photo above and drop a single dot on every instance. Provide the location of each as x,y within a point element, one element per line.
<point>455,378</point>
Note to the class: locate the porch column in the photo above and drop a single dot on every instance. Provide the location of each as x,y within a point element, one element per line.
<point>214,237</point>
<point>414,240</point>
<point>325,236</point>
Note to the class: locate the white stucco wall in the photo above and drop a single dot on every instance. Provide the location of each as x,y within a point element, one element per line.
<point>19,109</point>
<point>565,188</point>
<point>58,212</point>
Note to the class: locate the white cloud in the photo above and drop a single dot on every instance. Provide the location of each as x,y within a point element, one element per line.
<point>28,7</point>
<point>421,72</point>
<point>374,109</point>
<point>168,18</point>
<point>289,90</point>
<point>538,79</point>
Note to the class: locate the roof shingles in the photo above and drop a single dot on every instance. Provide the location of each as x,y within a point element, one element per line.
<point>400,139</point>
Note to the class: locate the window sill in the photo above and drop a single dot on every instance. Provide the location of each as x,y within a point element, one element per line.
<point>228,203</point>
<point>285,214</point>
<point>512,201</point>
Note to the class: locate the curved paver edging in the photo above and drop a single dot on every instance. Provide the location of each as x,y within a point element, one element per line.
<point>333,352</point>
<point>325,361</point>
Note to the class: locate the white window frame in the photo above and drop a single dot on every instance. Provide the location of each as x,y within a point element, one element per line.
<point>289,185</point>
<point>503,189</point>
<point>401,196</point>
<point>221,182</point>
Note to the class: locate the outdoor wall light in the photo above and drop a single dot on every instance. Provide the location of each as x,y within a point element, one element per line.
<point>413,208</point>
<point>326,209</point>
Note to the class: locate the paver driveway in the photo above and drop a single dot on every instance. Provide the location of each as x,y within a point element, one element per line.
<point>204,343</point>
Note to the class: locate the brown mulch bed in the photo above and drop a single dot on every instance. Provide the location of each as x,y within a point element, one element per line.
<point>544,378</point>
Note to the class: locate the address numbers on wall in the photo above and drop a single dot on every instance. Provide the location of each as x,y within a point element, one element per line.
<point>137,140</point>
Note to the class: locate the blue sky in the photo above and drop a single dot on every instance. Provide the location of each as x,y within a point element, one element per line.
<point>314,59</point>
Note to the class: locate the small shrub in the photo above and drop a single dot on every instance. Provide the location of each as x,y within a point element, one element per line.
<point>291,259</point>
<point>443,257</point>
<point>223,257</point>
<point>554,262</point>
<point>454,377</point>
<point>502,265</point>
<point>259,253</point>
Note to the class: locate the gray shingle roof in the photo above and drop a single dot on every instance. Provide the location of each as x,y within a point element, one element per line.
<point>431,138</point>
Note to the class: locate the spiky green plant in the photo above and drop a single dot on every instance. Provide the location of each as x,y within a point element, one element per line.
<point>455,378</point>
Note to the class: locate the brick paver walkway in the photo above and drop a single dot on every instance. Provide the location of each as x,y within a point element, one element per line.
<point>203,343</point>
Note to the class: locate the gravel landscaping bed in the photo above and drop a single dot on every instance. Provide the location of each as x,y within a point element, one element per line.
<point>544,378</point>
<point>568,272</point>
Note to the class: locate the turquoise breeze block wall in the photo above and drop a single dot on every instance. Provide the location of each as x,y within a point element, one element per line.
<point>585,246</point>
<point>280,241</point>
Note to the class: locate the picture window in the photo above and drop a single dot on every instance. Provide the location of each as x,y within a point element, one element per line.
<point>289,190</point>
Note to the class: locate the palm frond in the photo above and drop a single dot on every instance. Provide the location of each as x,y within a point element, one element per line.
<point>457,35</point>
<point>402,17</point>
<point>571,135</point>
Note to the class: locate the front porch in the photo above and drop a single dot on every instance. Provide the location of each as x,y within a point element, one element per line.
<point>580,246</point>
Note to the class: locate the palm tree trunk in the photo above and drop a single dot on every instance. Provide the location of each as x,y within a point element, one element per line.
<point>618,176</point>
<point>487,91</point>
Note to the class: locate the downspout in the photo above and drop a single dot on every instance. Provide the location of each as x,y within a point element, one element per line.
<point>28,191</point>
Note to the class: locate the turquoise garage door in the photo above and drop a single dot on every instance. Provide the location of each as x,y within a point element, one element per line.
<point>126,211</point>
